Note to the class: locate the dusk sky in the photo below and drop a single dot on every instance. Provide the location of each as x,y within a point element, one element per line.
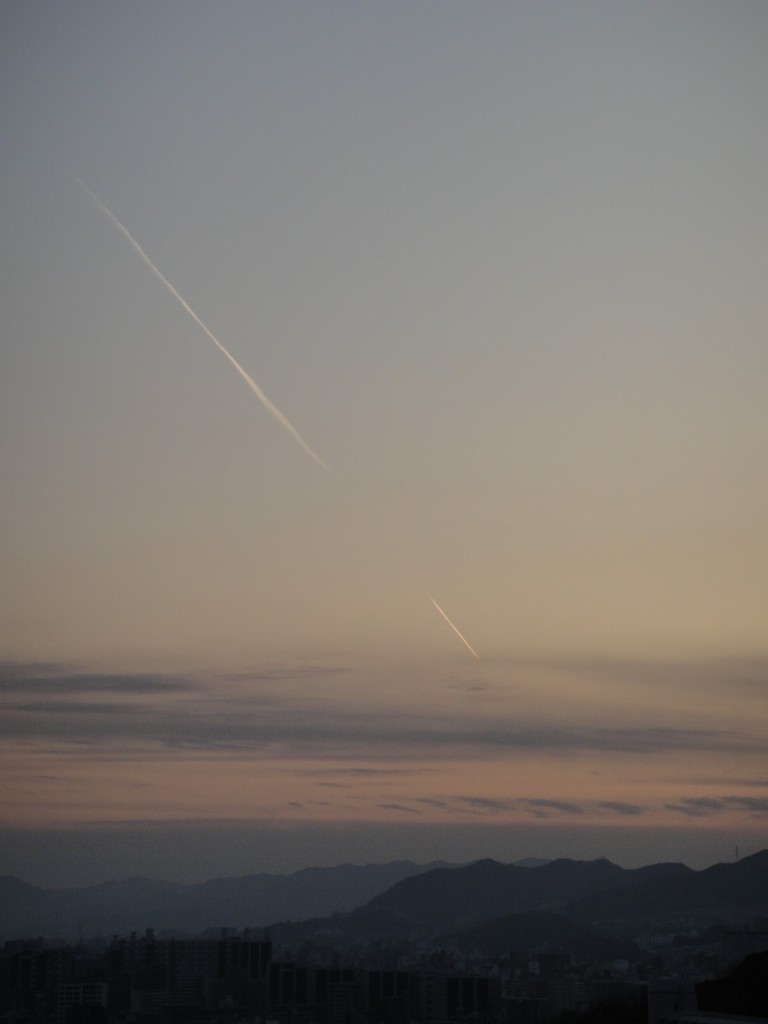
<point>454,304</point>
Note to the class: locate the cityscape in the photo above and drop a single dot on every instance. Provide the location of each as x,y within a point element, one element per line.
<point>601,945</point>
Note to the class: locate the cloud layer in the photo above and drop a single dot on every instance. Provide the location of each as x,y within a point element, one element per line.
<point>330,742</point>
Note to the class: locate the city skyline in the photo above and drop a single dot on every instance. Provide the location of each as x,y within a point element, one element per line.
<point>500,272</point>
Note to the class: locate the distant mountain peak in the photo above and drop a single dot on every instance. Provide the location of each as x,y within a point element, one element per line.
<point>391,899</point>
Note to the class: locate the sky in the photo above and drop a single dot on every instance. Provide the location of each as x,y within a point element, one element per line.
<point>328,327</point>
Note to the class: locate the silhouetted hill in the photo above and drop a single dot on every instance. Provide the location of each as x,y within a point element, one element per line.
<point>137,903</point>
<point>743,991</point>
<point>30,911</point>
<point>395,900</point>
<point>538,930</point>
<point>21,905</point>
<point>455,897</point>
<point>453,900</point>
<point>742,886</point>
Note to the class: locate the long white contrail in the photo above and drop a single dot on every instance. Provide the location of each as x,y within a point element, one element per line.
<point>272,409</point>
<point>455,630</point>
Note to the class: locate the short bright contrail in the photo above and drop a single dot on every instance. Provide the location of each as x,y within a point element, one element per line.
<point>455,630</point>
<point>281,418</point>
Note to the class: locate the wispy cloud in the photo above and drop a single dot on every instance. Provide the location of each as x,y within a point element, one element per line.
<point>697,807</point>
<point>537,806</point>
<point>71,685</point>
<point>398,807</point>
<point>179,713</point>
<point>544,808</point>
<point>440,804</point>
<point>283,674</point>
<point>624,810</point>
<point>370,773</point>
<point>485,803</point>
<point>70,708</point>
<point>706,807</point>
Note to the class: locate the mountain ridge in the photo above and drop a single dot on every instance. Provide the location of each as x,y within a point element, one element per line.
<point>135,903</point>
<point>348,902</point>
<point>590,893</point>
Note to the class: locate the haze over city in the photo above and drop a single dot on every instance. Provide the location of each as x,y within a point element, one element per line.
<point>382,434</point>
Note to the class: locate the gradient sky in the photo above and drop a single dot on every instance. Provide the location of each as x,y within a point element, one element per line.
<point>503,267</point>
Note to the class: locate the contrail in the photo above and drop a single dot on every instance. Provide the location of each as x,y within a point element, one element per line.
<point>455,630</point>
<point>272,409</point>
